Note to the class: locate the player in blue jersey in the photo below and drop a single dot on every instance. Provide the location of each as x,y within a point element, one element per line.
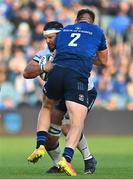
<point>69,78</point>
<point>76,47</point>
<point>52,145</point>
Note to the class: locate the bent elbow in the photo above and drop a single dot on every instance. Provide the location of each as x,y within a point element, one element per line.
<point>105,64</point>
<point>29,75</point>
<point>104,61</point>
<point>26,75</point>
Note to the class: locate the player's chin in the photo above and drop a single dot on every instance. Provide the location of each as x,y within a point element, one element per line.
<point>51,48</point>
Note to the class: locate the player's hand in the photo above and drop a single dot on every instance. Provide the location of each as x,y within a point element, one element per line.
<point>48,66</point>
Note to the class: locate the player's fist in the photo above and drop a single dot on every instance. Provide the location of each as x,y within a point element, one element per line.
<point>48,66</point>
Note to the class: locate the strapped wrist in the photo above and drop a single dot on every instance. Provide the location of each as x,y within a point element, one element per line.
<point>42,67</point>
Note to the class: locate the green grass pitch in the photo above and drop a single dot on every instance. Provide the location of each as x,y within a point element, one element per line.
<point>114,156</point>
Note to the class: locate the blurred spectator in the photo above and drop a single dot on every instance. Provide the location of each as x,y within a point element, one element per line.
<point>37,34</point>
<point>7,49</point>
<point>9,97</point>
<point>104,85</point>
<point>129,38</point>
<point>50,13</point>
<point>6,28</point>
<point>21,37</point>
<point>121,22</point>
<point>130,88</point>
<point>120,85</point>
<point>96,3</point>
<point>130,12</point>
<point>18,61</point>
<point>25,88</point>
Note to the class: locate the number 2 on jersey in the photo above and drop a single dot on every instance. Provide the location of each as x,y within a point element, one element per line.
<point>75,36</point>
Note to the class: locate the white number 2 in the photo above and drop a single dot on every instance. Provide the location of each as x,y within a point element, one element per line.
<point>75,37</point>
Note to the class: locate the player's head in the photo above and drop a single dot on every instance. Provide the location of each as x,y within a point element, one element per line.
<point>85,15</point>
<point>50,31</point>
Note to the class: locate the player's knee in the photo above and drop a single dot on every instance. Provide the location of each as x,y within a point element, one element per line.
<point>49,104</point>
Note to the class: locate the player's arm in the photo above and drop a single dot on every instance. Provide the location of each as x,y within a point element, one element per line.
<point>101,58</point>
<point>34,69</point>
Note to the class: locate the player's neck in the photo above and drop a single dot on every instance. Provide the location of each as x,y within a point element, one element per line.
<point>84,20</point>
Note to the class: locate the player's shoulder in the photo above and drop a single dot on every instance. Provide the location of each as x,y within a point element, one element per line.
<point>43,52</point>
<point>98,28</point>
<point>85,25</point>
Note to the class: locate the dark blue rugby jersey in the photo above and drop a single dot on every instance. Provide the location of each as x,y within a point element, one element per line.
<point>76,46</point>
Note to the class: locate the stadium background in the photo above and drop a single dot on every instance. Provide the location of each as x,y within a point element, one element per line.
<point>21,25</point>
<point>21,37</point>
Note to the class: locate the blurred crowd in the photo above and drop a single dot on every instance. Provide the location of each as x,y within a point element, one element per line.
<point>21,25</point>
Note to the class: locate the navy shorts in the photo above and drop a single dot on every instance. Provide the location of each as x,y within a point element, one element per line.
<point>92,94</point>
<point>68,84</point>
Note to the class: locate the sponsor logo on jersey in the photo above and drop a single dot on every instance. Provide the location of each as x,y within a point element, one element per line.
<point>81,97</point>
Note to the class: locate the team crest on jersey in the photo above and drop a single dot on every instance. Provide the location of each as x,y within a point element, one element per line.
<point>81,97</point>
<point>78,28</point>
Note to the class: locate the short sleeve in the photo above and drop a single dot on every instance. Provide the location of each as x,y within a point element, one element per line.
<point>37,58</point>
<point>103,44</point>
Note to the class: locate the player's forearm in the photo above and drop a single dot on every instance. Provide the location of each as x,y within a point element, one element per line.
<point>97,62</point>
<point>101,59</point>
<point>32,70</point>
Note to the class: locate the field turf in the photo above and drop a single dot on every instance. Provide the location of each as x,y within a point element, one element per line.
<point>114,156</point>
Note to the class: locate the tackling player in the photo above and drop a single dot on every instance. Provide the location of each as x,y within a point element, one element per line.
<point>52,144</point>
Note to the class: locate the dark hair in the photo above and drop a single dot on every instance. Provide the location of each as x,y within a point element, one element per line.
<point>86,11</point>
<point>52,24</point>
